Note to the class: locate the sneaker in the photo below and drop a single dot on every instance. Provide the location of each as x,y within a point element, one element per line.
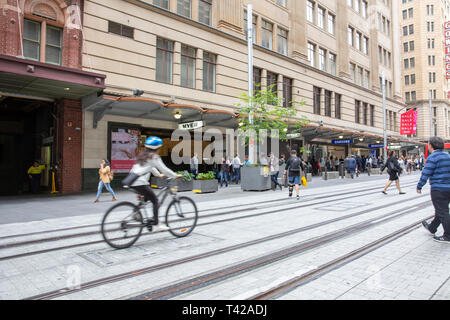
<point>383,192</point>
<point>160,228</point>
<point>427,226</point>
<point>290,195</point>
<point>402,193</point>
<point>114,199</point>
<point>441,239</point>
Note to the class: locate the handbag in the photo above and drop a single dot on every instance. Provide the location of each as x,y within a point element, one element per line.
<point>130,179</point>
<point>304,182</point>
<point>111,175</point>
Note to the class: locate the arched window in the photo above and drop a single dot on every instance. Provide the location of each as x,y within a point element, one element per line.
<point>43,27</point>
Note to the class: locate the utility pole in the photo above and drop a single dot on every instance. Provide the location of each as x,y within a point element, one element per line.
<point>383,85</point>
<point>251,147</point>
<point>431,114</point>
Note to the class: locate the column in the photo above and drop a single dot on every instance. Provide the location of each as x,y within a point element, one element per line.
<point>263,79</point>
<point>297,35</point>
<point>343,59</point>
<point>177,64</point>
<point>199,70</point>
<point>258,30</point>
<point>280,87</point>
<point>230,17</point>
<point>194,9</point>
<point>43,41</point>
<point>173,5</point>
<point>275,38</point>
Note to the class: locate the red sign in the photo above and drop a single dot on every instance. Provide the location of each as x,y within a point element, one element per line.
<point>408,124</point>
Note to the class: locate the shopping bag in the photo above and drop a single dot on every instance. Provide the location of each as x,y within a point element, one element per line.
<point>304,182</point>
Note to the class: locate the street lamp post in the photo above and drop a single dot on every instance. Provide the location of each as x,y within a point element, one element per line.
<point>383,85</point>
<point>251,147</point>
<point>431,113</point>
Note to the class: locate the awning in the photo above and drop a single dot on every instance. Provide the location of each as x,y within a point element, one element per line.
<point>31,79</point>
<point>147,108</point>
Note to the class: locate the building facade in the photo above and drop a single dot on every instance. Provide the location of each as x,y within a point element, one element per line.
<point>423,65</point>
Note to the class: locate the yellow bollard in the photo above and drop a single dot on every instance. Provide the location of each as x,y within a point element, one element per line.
<point>53,183</point>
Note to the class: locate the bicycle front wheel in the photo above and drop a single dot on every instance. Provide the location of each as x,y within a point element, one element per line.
<point>122,225</point>
<point>181,216</point>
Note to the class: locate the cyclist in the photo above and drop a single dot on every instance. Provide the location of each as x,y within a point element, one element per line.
<point>149,162</point>
<point>295,167</point>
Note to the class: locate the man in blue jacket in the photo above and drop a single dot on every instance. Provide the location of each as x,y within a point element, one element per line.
<point>437,169</point>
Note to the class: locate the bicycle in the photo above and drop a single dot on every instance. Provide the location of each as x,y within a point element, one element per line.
<point>181,222</point>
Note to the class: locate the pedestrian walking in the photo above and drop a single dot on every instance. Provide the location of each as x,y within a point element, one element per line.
<point>409,165</point>
<point>194,165</point>
<point>34,174</point>
<point>350,163</point>
<point>393,169</point>
<point>237,168</point>
<point>336,164</point>
<point>437,170</point>
<point>368,165</point>
<point>224,172</point>
<point>294,167</point>
<point>105,177</point>
<point>274,165</point>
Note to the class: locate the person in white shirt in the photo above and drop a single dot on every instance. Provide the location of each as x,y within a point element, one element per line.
<point>237,168</point>
<point>194,165</point>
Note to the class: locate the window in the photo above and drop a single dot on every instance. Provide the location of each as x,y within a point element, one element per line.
<point>413,79</point>
<point>310,11</point>
<point>312,54</point>
<point>411,29</point>
<point>272,83</point>
<point>164,59</point>
<point>405,14</point>
<point>372,115</point>
<point>406,63</point>
<point>282,41</point>
<point>350,36</point>
<point>257,72</point>
<point>352,72</point>
<point>331,23</point>
<point>316,99</point>
<point>357,111</point>
<point>365,113</point>
<point>333,64</point>
<point>328,103</point>
<point>358,6</point>
<point>322,57</point>
<point>360,76</point>
<point>364,9</point>
<point>405,47</point>
<point>358,41</point>
<point>120,29</point>
<point>366,45</point>
<point>337,105</point>
<point>32,42</point>
<point>366,79</point>
<point>209,72</point>
<point>188,56</point>
<point>411,46</point>
<point>266,34</point>
<point>405,31</point>
<point>320,17</point>
<point>282,2</point>
<point>413,96</point>
<point>408,97</point>
<point>411,13</point>
<point>204,11</point>
<point>406,80</point>
<point>412,62</point>
<point>161,3</point>
<point>184,8</point>
<point>287,92</point>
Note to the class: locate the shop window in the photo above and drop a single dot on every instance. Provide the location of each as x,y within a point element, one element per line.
<point>33,48</point>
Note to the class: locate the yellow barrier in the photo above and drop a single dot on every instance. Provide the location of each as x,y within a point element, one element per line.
<point>53,184</point>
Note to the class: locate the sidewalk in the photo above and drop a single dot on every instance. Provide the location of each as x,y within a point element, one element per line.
<point>46,206</point>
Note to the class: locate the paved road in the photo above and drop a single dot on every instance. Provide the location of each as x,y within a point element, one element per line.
<point>411,266</point>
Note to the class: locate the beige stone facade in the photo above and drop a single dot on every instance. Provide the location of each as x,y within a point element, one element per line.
<point>423,66</point>
<point>132,62</point>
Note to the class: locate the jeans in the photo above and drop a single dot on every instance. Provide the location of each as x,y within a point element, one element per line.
<point>223,176</point>
<point>237,174</point>
<point>195,173</point>
<point>441,200</point>
<point>108,187</point>
<point>35,182</point>
<point>274,178</point>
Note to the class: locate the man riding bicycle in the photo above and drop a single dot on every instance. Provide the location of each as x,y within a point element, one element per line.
<point>149,162</point>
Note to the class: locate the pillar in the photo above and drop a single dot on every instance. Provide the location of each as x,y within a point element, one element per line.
<point>297,36</point>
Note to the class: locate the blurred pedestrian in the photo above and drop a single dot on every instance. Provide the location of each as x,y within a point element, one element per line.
<point>393,169</point>
<point>237,168</point>
<point>274,165</point>
<point>194,165</point>
<point>105,176</point>
<point>224,172</point>
<point>437,170</point>
<point>34,174</point>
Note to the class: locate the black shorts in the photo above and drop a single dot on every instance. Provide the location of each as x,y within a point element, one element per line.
<point>393,176</point>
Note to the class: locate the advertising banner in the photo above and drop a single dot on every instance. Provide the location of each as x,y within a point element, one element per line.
<point>124,149</point>
<point>408,124</point>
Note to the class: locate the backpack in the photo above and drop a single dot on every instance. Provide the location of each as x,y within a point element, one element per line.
<point>111,175</point>
<point>296,164</point>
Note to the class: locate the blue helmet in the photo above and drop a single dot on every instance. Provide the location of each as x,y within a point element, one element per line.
<point>153,143</point>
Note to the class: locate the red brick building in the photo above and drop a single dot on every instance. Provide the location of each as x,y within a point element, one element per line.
<point>42,88</point>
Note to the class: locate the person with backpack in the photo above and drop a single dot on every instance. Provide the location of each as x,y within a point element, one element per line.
<point>105,177</point>
<point>393,169</point>
<point>437,170</point>
<point>294,167</point>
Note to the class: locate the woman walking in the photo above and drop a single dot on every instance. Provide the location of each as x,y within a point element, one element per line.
<point>105,180</point>
<point>393,169</point>
<point>274,165</point>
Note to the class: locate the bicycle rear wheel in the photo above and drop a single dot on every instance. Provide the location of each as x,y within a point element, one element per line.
<point>122,225</point>
<point>181,216</point>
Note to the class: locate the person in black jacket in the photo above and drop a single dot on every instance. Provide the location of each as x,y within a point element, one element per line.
<point>393,169</point>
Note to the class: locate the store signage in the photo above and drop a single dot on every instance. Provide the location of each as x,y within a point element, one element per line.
<point>376,146</point>
<point>293,135</point>
<point>408,124</point>
<point>348,141</point>
<point>190,125</point>
<point>394,147</point>
<point>447,49</point>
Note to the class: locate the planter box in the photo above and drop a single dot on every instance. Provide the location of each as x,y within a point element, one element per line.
<point>255,179</point>
<point>182,185</point>
<point>331,175</point>
<point>205,186</point>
